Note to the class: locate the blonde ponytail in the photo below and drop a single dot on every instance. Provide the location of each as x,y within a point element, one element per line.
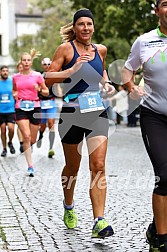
<point>66,32</point>
<point>33,53</point>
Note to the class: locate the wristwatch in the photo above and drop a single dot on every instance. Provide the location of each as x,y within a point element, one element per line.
<point>44,75</point>
<point>40,90</point>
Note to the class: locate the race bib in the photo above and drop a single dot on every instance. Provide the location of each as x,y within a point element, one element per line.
<point>46,104</point>
<point>4,98</point>
<point>90,101</point>
<point>27,105</point>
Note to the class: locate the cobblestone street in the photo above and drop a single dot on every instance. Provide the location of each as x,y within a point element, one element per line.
<point>31,209</point>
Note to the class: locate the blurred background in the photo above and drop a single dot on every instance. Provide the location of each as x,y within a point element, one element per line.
<point>26,24</point>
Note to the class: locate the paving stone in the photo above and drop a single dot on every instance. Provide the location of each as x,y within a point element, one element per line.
<point>31,209</point>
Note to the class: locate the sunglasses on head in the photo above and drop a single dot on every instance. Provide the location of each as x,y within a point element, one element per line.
<point>46,64</point>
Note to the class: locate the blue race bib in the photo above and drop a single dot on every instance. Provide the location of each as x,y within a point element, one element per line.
<point>4,98</point>
<point>90,101</point>
<point>26,105</point>
<point>46,104</point>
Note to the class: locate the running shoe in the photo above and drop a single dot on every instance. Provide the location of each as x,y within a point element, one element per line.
<point>101,229</point>
<point>152,239</point>
<point>163,247</point>
<point>39,142</point>
<point>30,172</point>
<point>11,147</point>
<point>70,218</point>
<point>51,153</point>
<point>4,152</point>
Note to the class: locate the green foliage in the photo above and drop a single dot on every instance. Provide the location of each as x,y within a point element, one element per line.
<point>117,25</point>
<point>119,22</point>
<point>20,45</point>
<point>57,14</point>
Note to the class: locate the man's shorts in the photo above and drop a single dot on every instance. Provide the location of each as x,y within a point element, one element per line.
<point>7,118</point>
<point>49,113</point>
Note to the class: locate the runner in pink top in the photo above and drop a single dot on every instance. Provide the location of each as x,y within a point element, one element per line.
<point>26,86</point>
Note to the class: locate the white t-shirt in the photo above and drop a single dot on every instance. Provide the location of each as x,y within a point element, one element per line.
<point>150,51</point>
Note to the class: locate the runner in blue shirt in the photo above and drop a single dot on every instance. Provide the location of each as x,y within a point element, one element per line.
<point>7,110</point>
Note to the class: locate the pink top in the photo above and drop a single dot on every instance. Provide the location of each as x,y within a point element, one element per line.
<point>25,87</point>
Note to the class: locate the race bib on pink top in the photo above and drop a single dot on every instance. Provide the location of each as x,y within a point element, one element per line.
<point>25,87</point>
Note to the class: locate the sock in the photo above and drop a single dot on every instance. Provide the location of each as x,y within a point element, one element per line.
<point>40,135</point>
<point>153,227</point>
<point>68,207</point>
<point>162,239</point>
<point>51,138</point>
<point>98,218</point>
<point>153,224</point>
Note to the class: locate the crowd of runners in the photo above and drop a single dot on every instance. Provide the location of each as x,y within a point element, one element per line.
<point>21,96</point>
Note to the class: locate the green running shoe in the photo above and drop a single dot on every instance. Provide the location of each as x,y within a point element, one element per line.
<point>152,239</point>
<point>70,218</point>
<point>101,229</point>
<point>51,153</point>
<point>163,247</point>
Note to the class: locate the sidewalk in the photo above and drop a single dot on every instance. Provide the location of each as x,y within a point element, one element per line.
<point>31,209</point>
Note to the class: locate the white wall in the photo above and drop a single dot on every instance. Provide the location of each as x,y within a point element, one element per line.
<point>4,30</point>
<point>27,27</point>
<point>12,27</point>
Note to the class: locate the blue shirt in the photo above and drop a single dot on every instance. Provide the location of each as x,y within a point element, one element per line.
<point>7,103</point>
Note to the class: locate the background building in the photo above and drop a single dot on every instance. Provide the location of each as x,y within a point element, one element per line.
<point>17,17</point>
